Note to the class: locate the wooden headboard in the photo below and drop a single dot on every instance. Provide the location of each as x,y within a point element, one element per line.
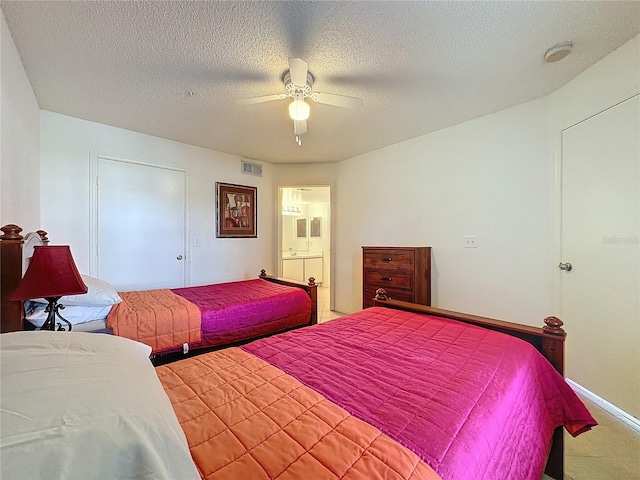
<point>15,252</point>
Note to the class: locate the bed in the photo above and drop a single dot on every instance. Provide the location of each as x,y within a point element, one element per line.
<point>184,319</point>
<point>397,391</point>
<point>169,320</point>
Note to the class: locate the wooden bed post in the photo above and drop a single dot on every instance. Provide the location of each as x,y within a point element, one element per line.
<point>11,272</point>
<point>555,461</point>
<point>553,350</point>
<point>553,343</point>
<point>11,265</point>
<point>313,295</point>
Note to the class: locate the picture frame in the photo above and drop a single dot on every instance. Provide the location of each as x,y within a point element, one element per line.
<point>236,211</point>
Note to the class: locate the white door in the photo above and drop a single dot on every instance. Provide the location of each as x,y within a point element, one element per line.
<point>600,238</point>
<point>141,225</point>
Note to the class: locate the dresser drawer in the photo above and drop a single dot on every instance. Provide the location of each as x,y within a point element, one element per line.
<point>384,278</point>
<point>389,259</point>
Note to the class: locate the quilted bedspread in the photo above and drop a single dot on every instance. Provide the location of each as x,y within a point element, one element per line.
<point>158,318</point>
<point>245,419</point>
<point>208,315</point>
<point>471,403</point>
<point>235,311</point>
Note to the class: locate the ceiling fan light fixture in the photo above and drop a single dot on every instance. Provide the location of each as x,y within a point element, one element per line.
<point>299,110</point>
<point>298,83</point>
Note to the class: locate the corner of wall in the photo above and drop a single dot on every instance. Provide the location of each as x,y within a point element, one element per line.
<point>19,139</point>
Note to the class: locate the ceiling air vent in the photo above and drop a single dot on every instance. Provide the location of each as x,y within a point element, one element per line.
<point>251,168</point>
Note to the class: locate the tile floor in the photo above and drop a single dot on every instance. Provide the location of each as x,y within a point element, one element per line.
<point>611,451</point>
<point>324,311</point>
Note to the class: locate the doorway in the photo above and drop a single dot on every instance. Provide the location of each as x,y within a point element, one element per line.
<point>304,240</point>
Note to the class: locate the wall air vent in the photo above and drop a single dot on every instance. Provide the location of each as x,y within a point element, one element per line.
<point>251,168</point>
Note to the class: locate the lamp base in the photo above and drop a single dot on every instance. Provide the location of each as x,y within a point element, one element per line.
<point>53,312</point>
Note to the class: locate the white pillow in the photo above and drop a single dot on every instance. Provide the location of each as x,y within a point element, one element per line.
<point>99,293</point>
<point>76,314</point>
<point>86,406</point>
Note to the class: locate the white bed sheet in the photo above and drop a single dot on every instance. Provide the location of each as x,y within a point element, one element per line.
<point>91,326</point>
<point>85,406</point>
<point>36,314</point>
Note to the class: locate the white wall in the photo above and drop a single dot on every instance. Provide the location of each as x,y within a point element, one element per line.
<point>489,177</point>
<point>288,175</point>
<point>67,144</point>
<point>494,177</point>
<point>19,140</point>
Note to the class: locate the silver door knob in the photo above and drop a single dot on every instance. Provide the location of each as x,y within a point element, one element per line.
<point>179,257</point>
<point>567,267</point>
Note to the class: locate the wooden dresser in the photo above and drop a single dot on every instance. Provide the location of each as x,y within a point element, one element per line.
<point>404,272</point>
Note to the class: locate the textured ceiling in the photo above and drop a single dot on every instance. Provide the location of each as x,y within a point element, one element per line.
<point>418,66</point>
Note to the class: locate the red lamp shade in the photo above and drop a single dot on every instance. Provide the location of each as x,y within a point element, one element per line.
<point>51,273</point>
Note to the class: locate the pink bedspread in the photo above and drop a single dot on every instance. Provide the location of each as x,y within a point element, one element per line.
<point>237,311</point>
<point>472,403</point>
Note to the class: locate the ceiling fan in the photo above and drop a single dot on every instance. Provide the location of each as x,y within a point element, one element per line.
<point>298,83</point>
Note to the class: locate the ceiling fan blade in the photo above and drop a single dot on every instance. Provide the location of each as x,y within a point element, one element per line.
<point>337,100</point>
<point>266,98</point>
<point>298,70</point>
<point>299,127</point>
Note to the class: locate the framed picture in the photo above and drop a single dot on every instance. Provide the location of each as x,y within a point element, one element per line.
<point>236,207</point>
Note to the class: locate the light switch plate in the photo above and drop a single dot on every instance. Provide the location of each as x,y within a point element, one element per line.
<point>470,241</point>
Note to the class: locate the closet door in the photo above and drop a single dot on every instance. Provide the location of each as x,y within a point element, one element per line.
<point>141,225</point>
<point>600,238</point>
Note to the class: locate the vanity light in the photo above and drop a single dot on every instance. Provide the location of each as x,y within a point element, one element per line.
<point>291,209</point>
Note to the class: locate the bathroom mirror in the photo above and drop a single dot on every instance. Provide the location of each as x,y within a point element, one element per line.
<point>314,226</point>
<point>301,227</point>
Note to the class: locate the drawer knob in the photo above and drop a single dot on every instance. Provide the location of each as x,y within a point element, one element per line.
<point>387,259</point>
<point>388,279</point>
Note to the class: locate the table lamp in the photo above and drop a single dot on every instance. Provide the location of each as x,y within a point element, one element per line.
<point>51,274</point>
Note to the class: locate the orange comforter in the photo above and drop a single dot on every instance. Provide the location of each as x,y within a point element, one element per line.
<point>159,318</point>
<point>245,418</point>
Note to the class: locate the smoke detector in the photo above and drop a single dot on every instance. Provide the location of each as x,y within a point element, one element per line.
<point>558,52</point>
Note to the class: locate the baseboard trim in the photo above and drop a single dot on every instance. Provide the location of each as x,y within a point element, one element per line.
<point>610,408</point>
